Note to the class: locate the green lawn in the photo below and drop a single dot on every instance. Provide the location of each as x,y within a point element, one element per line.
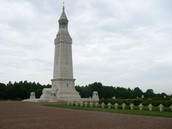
<point>126,111</point>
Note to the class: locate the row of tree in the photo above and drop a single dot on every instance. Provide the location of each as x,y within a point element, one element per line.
<point>107,92</point>
<point>21,90</point>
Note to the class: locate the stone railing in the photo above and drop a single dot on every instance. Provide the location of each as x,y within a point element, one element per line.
<point>123,106</point>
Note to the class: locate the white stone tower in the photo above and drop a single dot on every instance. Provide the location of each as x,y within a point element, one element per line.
<point>63,82</point>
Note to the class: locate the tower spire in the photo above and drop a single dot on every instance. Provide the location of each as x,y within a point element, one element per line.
<point>63,21</point>
<point>63,6</point>
<point>63,15</point>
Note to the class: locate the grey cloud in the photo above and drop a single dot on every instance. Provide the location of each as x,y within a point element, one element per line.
<point>121,43</point>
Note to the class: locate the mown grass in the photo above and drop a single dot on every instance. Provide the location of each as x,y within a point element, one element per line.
<point>155,112</point>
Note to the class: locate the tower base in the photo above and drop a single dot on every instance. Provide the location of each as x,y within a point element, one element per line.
<point>62,89</point>
<point>65,88</point>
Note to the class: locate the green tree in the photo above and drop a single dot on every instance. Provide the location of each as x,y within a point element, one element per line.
<point>149,93</point>
<point>137,92</point>
<point>3,91</point>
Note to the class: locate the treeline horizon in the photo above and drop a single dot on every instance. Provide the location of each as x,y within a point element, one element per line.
<point>21,90</point>
<point>108,92</point>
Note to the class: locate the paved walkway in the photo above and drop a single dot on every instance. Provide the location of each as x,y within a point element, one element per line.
<point>24,115</point>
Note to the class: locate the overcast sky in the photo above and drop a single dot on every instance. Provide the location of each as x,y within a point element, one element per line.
<point>125,43</point>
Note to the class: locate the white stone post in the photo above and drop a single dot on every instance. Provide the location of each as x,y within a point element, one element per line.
<point>124,106</point>
<point>114,97</point>
<point>131,106</point>
<point>150,106</point>
<point>103,105</point>
<point>95,95</point>
<point>76,103</point>
<point>81,104</point>
<point>171,107</point>
<point>109,105</point>
<point>68,103</point>
<point>71,103</point>
<point>91,104</point>
<point>161,107</point>
<point>32,95</point>
<point>141,107</point>
<point>142,96</point>
<point>116,105</point>
<point>86,104</point>
<point>97,104</point>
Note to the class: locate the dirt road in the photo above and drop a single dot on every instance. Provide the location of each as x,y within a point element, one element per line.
<point>25,115</point>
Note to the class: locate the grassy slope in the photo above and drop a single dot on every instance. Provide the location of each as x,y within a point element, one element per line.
<point>126,111</point>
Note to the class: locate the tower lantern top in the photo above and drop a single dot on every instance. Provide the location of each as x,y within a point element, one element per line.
<point>63,21</point>
<point>63,15</point>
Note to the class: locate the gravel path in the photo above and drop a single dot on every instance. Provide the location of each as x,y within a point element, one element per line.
<point>25,115</point>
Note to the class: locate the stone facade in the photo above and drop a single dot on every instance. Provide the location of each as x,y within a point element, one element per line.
<point>63,83</point>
